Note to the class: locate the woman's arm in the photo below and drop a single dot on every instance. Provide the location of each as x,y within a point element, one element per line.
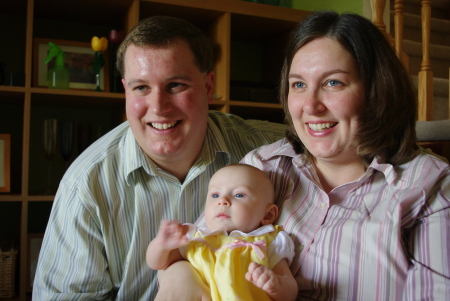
<point>428,244</point>
<point>279,282</point>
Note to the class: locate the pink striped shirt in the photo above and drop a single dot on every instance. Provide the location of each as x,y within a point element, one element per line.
<point>383,237</point>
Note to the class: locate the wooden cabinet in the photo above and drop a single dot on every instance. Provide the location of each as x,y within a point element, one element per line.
<point>248,40</point>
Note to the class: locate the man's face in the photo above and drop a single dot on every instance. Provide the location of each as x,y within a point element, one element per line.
<point>167,100</point>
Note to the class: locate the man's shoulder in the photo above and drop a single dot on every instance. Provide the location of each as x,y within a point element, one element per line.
<point>98,152</point>
<point>229,122</point>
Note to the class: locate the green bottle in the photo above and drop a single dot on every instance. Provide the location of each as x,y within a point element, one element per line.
<point>58,76</point>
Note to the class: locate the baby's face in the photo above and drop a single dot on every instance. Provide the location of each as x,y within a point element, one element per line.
<point>238,198</point>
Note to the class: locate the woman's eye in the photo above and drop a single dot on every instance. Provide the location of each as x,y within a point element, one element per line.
<point>333,83</point>
<point>299,85</point>
<point>239,195</point>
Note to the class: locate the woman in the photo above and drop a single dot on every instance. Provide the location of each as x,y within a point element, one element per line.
<point>368,209</point>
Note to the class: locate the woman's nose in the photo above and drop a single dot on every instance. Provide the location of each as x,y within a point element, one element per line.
<point>313,104</point>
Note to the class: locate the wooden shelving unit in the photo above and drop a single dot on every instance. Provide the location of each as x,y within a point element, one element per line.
<point>248,39</point>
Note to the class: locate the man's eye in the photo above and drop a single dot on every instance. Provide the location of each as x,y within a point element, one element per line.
<point>141,88</point>
<point>239,195</point>
<point>174,85</point>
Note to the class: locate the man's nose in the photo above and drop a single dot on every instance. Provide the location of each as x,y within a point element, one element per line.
<point>159,103</point>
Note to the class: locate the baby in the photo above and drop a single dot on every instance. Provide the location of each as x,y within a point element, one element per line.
<point>239,241</point>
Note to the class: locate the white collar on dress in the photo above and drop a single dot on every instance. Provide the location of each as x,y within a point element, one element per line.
<point>236,233</point>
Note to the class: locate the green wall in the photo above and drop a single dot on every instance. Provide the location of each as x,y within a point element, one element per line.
<point>355,6</point>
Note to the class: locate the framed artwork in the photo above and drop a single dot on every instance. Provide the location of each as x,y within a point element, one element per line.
<point>79,61</point>
<point>5,162</point>
<point>34,247</point>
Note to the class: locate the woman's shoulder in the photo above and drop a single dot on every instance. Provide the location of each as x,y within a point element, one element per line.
<point>424,170</point>
<point>281,146</point>
<point>429,160</point>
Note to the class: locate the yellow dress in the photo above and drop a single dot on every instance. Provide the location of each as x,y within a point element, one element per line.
<point>222,262</point>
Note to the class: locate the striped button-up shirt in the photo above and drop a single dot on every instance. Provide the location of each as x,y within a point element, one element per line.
<point>109,205</point>
<point>383,237</point>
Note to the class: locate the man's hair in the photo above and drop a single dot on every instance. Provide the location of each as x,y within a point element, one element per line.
<point>160,31</point>
<point>387,122</point>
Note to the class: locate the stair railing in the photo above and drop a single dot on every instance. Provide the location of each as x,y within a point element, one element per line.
<point>425,83</point>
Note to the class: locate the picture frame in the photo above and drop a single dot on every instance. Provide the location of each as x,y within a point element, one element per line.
<point>34,247</point>
<point>79,61</point>
<point>5,162</point>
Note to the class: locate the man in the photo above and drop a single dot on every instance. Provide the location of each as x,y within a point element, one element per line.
<point>157,165</point>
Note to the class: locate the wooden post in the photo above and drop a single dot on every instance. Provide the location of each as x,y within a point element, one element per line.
<point>398,24</point>
<point>377,18</point>
<point>425,84</point>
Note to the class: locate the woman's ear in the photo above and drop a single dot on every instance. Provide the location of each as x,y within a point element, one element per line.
<point>271,215</point>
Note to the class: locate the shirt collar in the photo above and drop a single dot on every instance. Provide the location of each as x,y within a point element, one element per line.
<point>387,169</point>
<point>236,233</point>
<point>299,160</point>
<point>287,150</point>
<point>135,157</point>
<point>214,143</point>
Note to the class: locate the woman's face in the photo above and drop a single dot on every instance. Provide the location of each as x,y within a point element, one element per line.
<point>325,99</point>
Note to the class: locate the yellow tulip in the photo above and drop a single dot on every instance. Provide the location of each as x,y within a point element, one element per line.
<point>99,44</point>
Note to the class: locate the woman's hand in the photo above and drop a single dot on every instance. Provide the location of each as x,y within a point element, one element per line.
<point>181,281</point>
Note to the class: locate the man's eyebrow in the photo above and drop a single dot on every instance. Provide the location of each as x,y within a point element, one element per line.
<point>181,76</point>
<point>134,81</point>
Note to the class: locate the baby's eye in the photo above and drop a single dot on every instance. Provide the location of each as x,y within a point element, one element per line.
<point>215,195</point>
<point>239,195</point>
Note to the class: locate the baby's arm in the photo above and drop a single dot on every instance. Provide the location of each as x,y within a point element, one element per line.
<point>163,249</point>
<point>278,282</point>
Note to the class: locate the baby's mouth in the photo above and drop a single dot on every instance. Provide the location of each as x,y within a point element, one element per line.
<point>222,215</point>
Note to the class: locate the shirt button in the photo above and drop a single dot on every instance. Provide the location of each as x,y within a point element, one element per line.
<point>323,205</point>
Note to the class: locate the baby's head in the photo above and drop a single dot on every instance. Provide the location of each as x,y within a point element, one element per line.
<point>240,197</point>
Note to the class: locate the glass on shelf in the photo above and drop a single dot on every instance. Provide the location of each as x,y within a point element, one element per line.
<point>49,133</point>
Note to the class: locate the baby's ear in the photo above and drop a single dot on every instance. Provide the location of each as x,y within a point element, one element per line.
<point>271,215</point>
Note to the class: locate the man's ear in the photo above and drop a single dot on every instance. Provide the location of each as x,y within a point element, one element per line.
<point>271,215</point>
<point>209,82</point>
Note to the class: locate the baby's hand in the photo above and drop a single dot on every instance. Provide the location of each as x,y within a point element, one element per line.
<point>172,235</point>
<point>263,277</point>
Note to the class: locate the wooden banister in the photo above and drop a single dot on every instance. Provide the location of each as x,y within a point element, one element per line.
<point>398,23</point>
<point>425,85</point>
<point>377,17</point>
